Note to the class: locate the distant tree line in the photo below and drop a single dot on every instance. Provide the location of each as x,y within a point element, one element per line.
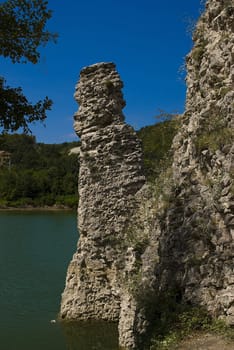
<point>45,174</point>
<point>38,174</point>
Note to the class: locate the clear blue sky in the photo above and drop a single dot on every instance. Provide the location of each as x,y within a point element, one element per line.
<point>146,39</point>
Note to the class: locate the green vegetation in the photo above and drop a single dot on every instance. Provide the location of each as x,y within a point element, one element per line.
<point>214,133</point>
<point>22,31</point>
<point>43,174</point>
<point>224,90</point>
<point>156,141</point>
<point>199,50</point>
<point>175,321</point>
<point>38,174</point>
<point>197,53</point>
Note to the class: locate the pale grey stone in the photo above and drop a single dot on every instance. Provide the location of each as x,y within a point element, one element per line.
<point>110,176</point>
<point>137,245</point>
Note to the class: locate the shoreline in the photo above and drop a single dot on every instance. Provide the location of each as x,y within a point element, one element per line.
<point>45,208</point>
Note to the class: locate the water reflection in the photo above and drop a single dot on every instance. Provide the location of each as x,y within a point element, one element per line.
<point>92,335</point>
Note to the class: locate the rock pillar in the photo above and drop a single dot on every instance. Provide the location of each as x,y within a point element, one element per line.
<point>110,176</point>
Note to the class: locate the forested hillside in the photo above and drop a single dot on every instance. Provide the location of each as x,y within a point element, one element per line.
<point>41,174</point>
<point>38,174</point>
<point>156,142</point>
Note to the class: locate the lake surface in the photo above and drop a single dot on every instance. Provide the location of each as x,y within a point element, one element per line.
<point>35,249</point>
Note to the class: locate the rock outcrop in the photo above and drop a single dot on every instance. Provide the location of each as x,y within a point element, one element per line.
<point>110,176</point>
<point>192,214</point>
<point>199,222</point>
<point>138,243</point>
<point>185,225</point>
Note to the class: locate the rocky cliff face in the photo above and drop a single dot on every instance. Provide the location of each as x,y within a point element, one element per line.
<point>185,225</point>
<point>200,221</point>
<point>139,243</point>
<point>110,176</point>
<point>186,219</point>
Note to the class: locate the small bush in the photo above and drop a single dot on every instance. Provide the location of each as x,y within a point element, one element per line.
<point>197,53</point>
<point>177,321</point>
<point>214,139</point>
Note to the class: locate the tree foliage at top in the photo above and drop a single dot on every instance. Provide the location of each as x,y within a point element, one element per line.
<point>22,32</point>
<point>17,112</point>
<point>22,29</point>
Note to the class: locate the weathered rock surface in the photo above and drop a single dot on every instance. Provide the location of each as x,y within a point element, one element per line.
<point>185,225</point>
<point>138,243</point>
<point>110,175</point>
<point>203,169</point>
<point>193,216</point>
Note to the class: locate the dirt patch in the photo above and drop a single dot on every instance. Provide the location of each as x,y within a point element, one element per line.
<point>206,342</point>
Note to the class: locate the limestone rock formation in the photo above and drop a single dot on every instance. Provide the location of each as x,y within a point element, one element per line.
<point>110,176</point>
<point>139,242</point>
<point>185,225</point>
<point>193,219</point>
<point>203,167</point>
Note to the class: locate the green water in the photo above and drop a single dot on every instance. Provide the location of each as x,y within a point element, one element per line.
<point>35,249</point>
